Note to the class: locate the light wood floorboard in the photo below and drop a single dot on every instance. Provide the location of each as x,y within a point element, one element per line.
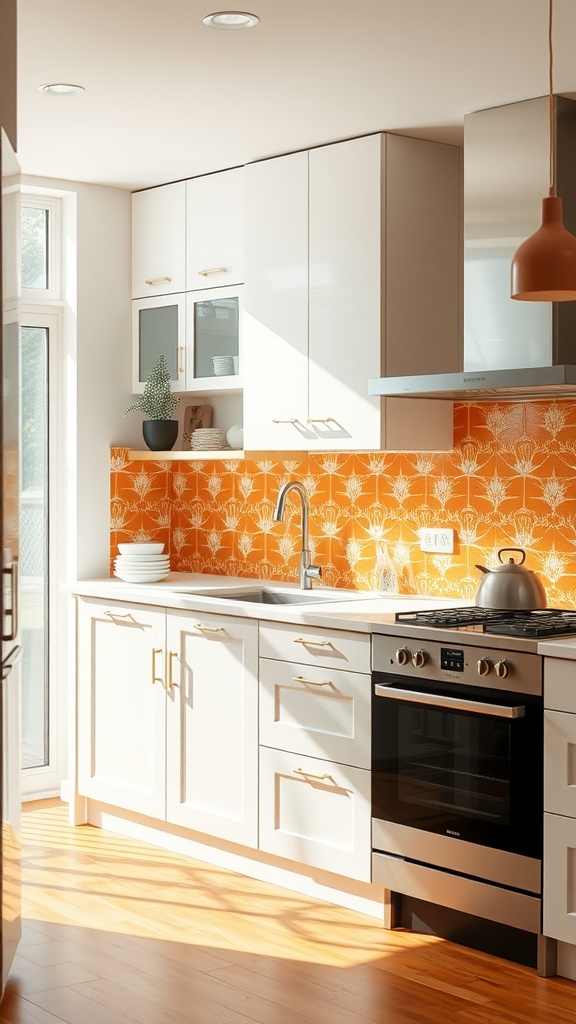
<point>119,932</point>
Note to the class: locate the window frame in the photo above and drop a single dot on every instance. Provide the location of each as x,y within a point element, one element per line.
<point>46,308</point>
<point>53,206</point>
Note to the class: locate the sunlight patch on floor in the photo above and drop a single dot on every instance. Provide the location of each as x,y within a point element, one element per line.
<point>86,877</point>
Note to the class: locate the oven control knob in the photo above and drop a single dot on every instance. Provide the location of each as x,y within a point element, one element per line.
<point>484,666</point>
<point>402,656</point>
<point>503,669</point>
<point>419,658</point>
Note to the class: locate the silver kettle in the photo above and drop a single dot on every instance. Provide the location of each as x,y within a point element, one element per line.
<point>510,587</point>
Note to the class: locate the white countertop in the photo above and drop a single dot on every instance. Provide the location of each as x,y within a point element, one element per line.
<point>359,613</point>
<point>560,647</point>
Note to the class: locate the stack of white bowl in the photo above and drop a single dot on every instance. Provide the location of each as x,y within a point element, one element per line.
<point>141,563</point>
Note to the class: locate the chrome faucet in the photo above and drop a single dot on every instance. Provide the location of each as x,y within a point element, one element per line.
<point>308,572</point>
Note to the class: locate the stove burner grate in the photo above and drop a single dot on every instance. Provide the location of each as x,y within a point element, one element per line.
<point>533,624</point>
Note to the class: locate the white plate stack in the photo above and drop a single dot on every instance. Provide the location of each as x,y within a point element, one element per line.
<point>141,563</point>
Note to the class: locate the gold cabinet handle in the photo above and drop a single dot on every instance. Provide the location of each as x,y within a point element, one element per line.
<point>209,629</point>
<point>293,420</point>
<point>310,775</point>
<point>158,280</point>
<point>329,419</point>
<point>213,270</point>
<point>155,678</point>
<point>311,643</point>
<point>311,682</point>
<point>181,369</point>
<point>170,684</point>
<point>119,615</point>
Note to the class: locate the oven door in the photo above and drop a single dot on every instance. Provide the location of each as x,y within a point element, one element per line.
<point>462,764</point>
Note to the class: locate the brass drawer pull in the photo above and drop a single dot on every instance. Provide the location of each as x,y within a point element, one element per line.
<point>155,678</point>
<point>310,775</point>
<point>158,280</point>
<point>209,629</point>
<point>293,420</point>
<point>181,369</point>
<point>329,419</point>
<point>119,615</point>
<point>311,682</point>
<point>212,270</point>
<point>169,679</point>
<point>312,643</point>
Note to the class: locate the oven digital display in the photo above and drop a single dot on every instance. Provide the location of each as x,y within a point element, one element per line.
<point>452,659</point>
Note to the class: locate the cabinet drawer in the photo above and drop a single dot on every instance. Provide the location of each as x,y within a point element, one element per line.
<point>560,684</point>
<point>310,710</point>
<point>559,898</point>
<point>315,812</point>
<point>332,648</point>
<point>560,762</point>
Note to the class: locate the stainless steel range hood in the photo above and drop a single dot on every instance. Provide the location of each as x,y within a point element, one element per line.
<point>514,350</point>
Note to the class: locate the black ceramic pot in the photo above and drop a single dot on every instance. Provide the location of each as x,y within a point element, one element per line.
<point>160,435</point>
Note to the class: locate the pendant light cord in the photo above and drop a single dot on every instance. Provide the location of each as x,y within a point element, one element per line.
<point>552,189</point>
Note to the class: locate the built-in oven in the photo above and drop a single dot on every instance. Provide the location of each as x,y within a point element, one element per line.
<point>457,777</point>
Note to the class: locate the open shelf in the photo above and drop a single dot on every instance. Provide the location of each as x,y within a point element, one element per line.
<point>186,455</point>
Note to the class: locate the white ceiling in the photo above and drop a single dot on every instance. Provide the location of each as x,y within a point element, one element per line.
<point>168,98</point>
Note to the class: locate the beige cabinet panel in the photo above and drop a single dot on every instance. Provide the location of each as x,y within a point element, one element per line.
<point>560,684</point>
<point>212,725</point>
<point>559,895</point>
<point>320,712</point>
<point>560,763</point>
<point>315,812</point>
<point>121,705</point>
<point>331,648</point>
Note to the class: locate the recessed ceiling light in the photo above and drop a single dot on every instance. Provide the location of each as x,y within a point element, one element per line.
<point>231,20</point>
<point>60,88</point>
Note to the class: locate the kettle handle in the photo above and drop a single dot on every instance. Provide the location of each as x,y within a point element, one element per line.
<point>520,552</point>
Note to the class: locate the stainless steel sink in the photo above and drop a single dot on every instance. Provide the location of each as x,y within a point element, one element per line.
<point>271,595</point>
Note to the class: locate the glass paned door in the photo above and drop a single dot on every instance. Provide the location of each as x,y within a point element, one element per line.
<point>34,546</point>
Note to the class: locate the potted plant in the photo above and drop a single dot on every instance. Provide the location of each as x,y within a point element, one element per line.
<point>158,403</point>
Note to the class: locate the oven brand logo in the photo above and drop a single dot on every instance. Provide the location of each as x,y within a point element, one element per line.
<point>451,832</point>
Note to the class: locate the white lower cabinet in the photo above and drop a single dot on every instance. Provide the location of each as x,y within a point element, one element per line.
<point>315,782</point>
<point>168,715</point>
<point>121,705</point>
<point>212,725</point>
<point>315,812</point>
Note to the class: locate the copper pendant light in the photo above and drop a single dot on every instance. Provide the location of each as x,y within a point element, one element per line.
<point>544,266</point>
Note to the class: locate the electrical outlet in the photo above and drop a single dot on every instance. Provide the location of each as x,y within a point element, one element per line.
<point>437,540</point>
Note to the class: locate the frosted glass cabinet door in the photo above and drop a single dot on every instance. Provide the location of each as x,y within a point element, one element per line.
<point>158,326</point>
<point>214,338</point>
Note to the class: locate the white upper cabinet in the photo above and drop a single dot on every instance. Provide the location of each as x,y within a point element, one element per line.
<point>276,304</point>
<point>215,230</point>
<point>159,241</point>
<point>352,271</point>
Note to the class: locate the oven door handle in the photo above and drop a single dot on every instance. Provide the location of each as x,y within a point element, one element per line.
<point>454,703</point>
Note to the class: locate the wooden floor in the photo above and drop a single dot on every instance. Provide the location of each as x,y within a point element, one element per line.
<point>118,932</point>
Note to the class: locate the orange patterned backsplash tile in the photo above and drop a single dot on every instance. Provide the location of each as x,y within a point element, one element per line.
<point>510,481</point>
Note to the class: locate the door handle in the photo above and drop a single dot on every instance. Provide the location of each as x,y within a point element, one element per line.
<point>11,611</point>
<point>452,703</point>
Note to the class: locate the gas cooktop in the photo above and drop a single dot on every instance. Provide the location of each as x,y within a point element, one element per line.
<point>536,624</point>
